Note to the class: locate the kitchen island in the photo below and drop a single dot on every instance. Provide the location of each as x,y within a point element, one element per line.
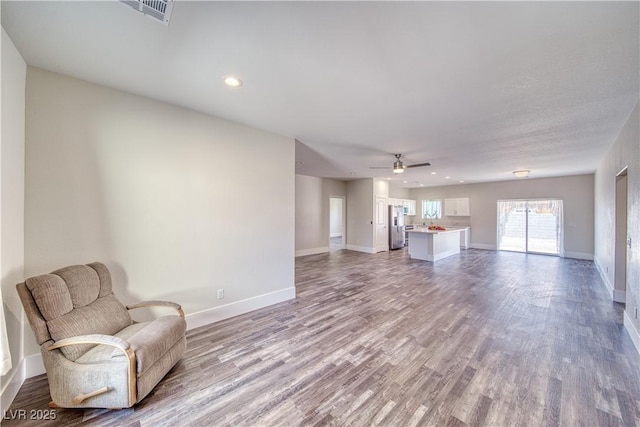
<point>433,245</point>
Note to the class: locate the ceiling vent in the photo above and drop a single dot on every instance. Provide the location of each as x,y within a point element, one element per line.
<point>157,9</point>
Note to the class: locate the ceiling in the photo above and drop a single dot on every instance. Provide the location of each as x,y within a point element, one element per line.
<point>479,89</point>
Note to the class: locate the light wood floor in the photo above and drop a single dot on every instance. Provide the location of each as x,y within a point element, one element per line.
<point>484,338</point>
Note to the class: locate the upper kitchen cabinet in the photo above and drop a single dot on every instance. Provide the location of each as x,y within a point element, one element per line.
<point>456,207</point>
<point>409,207</point>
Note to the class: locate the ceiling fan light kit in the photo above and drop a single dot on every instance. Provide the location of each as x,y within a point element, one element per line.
<point>399,167</point>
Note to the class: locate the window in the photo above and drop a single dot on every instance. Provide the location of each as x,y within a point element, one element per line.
<point>534,226</point>
<point>431,209</point>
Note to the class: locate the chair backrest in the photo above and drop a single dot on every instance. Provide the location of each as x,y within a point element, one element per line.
<point>72,301</point>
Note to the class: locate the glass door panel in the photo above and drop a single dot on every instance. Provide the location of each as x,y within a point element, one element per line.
<point>542,227</point>
<point>512,225</point>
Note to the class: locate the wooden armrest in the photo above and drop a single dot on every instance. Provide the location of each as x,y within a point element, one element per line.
<point>92,339</point>
<point>168,304</point>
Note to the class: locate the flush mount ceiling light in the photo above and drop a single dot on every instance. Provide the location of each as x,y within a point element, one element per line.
<point>521,173</point>
<point>232,81</point>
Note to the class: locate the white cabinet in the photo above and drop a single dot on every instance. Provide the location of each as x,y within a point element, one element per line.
<point>409,207</point>
<point>456,207</point>
<point>464,237</point>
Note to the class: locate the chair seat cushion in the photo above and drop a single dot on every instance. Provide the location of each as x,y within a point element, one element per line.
<point>149,341</point>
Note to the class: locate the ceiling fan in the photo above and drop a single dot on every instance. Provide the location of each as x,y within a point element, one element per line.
<point>399,167</point>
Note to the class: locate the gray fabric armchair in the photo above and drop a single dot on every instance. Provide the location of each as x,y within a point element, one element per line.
<point>94,354</point>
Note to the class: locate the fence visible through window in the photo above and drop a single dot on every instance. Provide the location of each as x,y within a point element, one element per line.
<point>530,226</point>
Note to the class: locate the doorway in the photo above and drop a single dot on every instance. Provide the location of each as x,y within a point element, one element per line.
<point>336,224</point>
<point>531,226</point>
<point>620,249</point>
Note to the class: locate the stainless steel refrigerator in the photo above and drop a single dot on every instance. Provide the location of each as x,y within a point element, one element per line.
<point>396,227</point>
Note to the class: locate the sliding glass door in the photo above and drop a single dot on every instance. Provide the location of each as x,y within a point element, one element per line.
<point>534,226</point>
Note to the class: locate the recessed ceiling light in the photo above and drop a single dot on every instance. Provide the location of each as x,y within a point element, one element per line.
<point>232,81</point>
<point>404,182</point>
<point>421,185</point>
<point>433,173</point>
<point>521,173</point>
<point>461,181</point>
<point>447,177</point>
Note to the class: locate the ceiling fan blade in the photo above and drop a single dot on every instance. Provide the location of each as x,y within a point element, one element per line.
<point>379,167</point>
<point>417,165</point>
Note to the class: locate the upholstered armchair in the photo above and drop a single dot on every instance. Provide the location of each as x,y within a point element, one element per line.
<point>95,355</point>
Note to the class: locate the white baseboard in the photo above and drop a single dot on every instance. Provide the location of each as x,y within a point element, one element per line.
<point>482,246</point>
<point>11,384</point>
<point>361,249</point>
<point>579,255</point>
<point>619,296</point>
<point>215,314</point>
<point>632,331</point>
<point>604,278</point>
<point>312,251</point>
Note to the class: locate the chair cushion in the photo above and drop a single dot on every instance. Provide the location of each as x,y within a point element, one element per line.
<point>149,340</point>
<point>105,315</point>
<point>83,283</point>
<point>51,295</point>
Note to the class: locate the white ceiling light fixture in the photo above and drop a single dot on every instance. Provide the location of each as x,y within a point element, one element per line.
<point>232,81</point>
<point>158,9</point>
<point>398,167</point>
<point>521,173</point>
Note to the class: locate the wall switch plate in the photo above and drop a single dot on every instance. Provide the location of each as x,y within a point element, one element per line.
<point>220,293</point>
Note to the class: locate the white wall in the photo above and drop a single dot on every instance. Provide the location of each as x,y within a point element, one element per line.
<point>176,203</point>
<point>625,151</point>
<point>397,192</point>
<point>575,191</point>
<point>12,211</point>
<point>360,211</point>
<point>312,212</point>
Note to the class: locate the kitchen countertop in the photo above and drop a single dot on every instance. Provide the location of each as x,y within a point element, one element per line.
<point>425,230</point>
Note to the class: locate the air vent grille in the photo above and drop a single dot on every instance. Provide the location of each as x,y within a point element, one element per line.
<point>158,9</point>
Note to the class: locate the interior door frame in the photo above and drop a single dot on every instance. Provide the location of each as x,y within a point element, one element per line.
<point>620,236</point>
<point>344,222</point>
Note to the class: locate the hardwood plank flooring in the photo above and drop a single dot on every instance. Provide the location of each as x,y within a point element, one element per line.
<point>483,338</point>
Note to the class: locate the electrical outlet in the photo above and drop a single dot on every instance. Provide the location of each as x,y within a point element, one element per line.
<point>220,293</point>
